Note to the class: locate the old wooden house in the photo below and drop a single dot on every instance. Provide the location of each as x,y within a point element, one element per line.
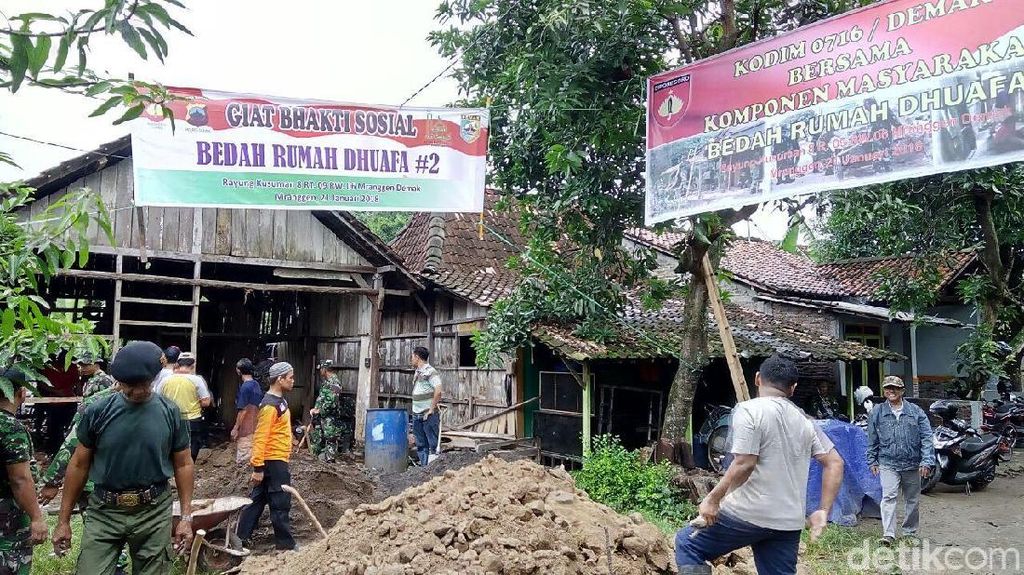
<point>297,286</point>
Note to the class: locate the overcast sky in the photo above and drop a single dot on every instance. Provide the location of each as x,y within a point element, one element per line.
<point>343,50</point>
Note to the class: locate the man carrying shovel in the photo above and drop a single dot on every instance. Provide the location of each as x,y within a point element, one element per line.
<point>271,451</point>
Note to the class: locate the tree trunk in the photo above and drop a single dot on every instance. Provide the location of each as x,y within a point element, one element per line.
<point>694,354</point>
<point>991,303</point>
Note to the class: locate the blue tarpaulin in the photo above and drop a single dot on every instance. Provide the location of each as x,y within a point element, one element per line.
<point>861,492</point>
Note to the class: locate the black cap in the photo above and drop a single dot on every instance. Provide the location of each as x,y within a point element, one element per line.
<point>171,353</point>
<point>136,363</point>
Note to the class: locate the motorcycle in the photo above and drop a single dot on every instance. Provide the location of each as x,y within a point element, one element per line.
<point>962,455</point>
<point>1005,417</point>
<point>714,434</point>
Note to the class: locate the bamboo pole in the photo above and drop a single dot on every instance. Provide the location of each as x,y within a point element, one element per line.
<point>732,358</point>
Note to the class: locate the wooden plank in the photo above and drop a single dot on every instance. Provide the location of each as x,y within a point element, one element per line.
<point>227,259</point>
<point>252,234</point>
<point>209,230</point>
<point>123,192</point>
<point>265,239</point>
<point>485,418</point>
<point>280,231</point>
<point>185,325</point>
<point>52,400</point>
<point>90,274</point>
<point>222,241</point>
<point>118,266</point>
<point>184,240</point>
<point>238,233</point>
<point>153,301</point>
<point>739,384</point>
<point>170,232</point>
<point>375,360</point>
<point>317,245</point>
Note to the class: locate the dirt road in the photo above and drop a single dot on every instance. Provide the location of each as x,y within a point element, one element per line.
<point>988,519</point>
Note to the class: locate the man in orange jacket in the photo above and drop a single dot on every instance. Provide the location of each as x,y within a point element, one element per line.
<point>271,449</point>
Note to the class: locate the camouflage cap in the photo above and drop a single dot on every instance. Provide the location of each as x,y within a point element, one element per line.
<point>893,381</point>
<point>325,364</point>
<point>87,358</point>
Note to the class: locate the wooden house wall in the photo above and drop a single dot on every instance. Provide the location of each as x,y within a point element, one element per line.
<point>291,235</point>
<point>469,392</point>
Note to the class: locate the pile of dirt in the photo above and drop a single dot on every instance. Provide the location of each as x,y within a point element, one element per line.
<point>492,517</point>
<point>394,483</point>
<point>329,489</point>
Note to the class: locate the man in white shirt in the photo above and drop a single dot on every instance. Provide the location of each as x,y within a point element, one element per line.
<point>426,395</point>
<point>761,500</point>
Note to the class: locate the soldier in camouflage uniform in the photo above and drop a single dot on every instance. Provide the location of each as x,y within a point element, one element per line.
<point>88,366</point>
<point>22,523</point>
<point>53,477</point>
<point>334,417</point>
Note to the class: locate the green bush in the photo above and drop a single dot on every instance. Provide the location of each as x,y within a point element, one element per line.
<point>622,480</point>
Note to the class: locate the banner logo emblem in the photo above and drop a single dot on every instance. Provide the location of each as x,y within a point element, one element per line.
<point>670,100</point>
<point>470,127</point>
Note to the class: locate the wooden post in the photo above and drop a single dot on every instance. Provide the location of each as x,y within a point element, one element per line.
<point>375,352</point>
<point>117,307</point>
<point>915,384</point>
<point>587,403</point>
<point>732,358</point>
<point>197,248</point>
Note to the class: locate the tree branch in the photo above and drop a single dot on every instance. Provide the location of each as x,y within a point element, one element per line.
<point>729,33</point>
<point>681,43</point>
<point>76,32</point>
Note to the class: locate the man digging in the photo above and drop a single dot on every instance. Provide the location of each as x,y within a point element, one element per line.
<point>760,502</point>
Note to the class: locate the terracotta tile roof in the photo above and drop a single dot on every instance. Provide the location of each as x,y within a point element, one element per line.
<point>762,263</point>
<point>765,265</point>
<point>864,277</point>
<point>644,334</point>
<point>460,261</point>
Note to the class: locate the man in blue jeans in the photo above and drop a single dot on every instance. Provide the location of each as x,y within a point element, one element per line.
<point>426,395</point>
<point>761,500</point>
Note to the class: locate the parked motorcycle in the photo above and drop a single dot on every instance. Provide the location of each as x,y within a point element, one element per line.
<point>962,455</point>
<point>1004,417</point>
<point>714,434</point>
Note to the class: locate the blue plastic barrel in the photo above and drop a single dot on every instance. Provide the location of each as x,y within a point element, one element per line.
<point>387,440</point>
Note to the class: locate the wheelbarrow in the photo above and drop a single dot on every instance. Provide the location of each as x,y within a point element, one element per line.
<point>216,553</point>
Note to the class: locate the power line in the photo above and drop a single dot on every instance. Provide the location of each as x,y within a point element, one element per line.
<point>63,146</point>
<point>455,59</point>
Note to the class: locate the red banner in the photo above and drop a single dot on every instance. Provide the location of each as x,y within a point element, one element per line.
<point>899,89</point>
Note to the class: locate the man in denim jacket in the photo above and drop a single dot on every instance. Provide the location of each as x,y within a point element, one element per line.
<point>900,448</point>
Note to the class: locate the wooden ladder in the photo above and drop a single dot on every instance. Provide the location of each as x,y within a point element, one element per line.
<point>119,299</point>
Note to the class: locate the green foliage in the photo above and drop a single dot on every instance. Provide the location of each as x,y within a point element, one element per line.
<point>35,47</point>
<point>933,216</point>
<point>31,253</point>
<point>910,293</point>
<point>385,225</point>
<point>565,84</point>
<point>624,481</point>
<point>978,360</point>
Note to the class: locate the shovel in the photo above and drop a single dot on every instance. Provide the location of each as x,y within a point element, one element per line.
<point>193,557</point>
<point>302,504</point>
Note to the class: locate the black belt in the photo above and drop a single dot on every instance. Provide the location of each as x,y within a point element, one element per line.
<point>131,497</point>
